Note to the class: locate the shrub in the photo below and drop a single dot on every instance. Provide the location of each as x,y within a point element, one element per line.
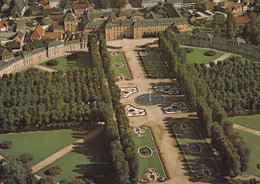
<point>26,157</point>
<point>72,56</point>
<point>6,145</point>
<point>188,50</point>
<point>258,166</point>
<point>210,53</point>
<point>53,171</point>
<point>52,63</point>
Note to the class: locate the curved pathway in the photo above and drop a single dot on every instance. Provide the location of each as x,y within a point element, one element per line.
<point>65,150</point>
<point>44,68</point>
<point>249,130</point>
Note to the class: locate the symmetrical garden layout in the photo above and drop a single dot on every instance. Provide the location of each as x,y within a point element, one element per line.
<point>153,63</point>
<point>194,150</point>
<point>148,155</point>
<point>119,66</point>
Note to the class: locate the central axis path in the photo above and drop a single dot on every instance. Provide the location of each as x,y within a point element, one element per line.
<point>155,118</point>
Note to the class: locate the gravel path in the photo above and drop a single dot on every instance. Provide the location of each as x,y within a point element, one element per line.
<point>64,151</point>
<point>44,68</point>
<point>155,118</point>
<point>249,130</point>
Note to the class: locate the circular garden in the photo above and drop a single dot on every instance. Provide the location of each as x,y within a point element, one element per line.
<point>145,151</point>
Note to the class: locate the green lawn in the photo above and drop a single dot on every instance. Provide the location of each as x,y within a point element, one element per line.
<point>65,64</point>
<point>89,160</point>
<point>195,159</point>
<point>153,64</point>
<point>197,56</point>
<point>119,66</point>
<point>247,121</point>
<point>40,144</point>
<point>252,141</point>
<point>151,162</point>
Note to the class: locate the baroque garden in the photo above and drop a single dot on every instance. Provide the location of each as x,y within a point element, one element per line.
<point>130,111</point>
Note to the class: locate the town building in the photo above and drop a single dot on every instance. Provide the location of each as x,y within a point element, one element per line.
<point>38,32</point>
<point>3,25</point>
<point>5,55</point>
<point>70,23</point>
<point>79,9</point>
<point>54,3</point>
<point>20,7</point>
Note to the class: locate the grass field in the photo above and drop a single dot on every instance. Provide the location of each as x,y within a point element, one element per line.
<point>247,121</point>
<point>197,56</point>
<point>65,64</point>
<point>195,158</point>
<point>151,162</point>
<point>153,64</point>
<point>89,160</point>
<point>40,144</point>
<point>252,141</point>
<point>119,66</point>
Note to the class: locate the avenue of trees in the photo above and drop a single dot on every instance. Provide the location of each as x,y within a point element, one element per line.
<point>126,165</point>
<point>231,148</point>
<point>121,118</point>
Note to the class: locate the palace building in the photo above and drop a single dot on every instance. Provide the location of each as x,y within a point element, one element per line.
<point>130,27</point>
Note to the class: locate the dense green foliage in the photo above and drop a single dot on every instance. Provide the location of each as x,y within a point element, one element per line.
<point>51,100</point>
<point>128,146</point>
<point>234,84</point>
<point>251,31</point>
<point>6,144</point>
<point>53,171</point>
<point>231,148</point>
<point>26,157</point>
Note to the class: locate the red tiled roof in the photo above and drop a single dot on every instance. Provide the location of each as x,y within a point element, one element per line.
<point>47,7</point>
<point>52,35</point>
<point>55,24</point>
<point>38,32</point>
<point>80,6</point>
<point>3,23</point>
<point>243,19</point>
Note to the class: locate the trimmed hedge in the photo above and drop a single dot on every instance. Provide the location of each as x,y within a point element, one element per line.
<point>210,53</point>
<point>188,50</point>
<point>52,63</point>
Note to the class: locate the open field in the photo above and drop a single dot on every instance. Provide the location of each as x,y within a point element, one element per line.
<point>199,159</point>
<point>252,141</point>
<point>197,56</point>
<point>151,162</point>
<point>40,144</point>
<point>252,122</point>
<point>65,64</point>
<point>87,160</point>
<point>153,64</point>
<point>119,66</point>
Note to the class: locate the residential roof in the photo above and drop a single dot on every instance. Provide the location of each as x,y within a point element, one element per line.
<point>47,7</point>
<point>3,24</point>
<point>19,36</point>
<point>5,54</point>
<point>242,19</point>
<point>19,5</point>
<point>52,35</point>
<point>47,21</point>
<point>80,6</point>
<point>69,17</point>
<point>38,32</point>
